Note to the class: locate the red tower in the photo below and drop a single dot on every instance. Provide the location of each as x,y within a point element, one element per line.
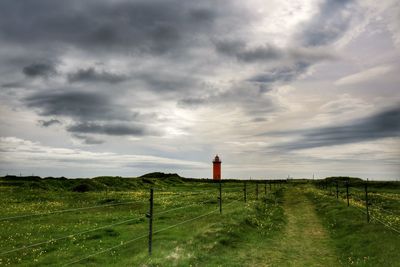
<point>216,169</point>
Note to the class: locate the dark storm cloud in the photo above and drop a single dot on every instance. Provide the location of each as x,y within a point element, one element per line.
<point>144,26</point>
<point>107,129</point>
<point>92,75</point>
<point>78,105</point>
<point>381,125</point>
<point>332,20</point>
<point>48,123</point>
<point>39,70</point>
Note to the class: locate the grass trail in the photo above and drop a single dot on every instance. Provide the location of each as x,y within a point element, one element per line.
<point>305,241</point>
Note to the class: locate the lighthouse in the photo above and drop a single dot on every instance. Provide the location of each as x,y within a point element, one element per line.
<point>216,169</point>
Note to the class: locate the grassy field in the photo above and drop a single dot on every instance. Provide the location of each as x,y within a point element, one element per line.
<point>359,242</point>
<point>102,222</point>
<point>117,219</point>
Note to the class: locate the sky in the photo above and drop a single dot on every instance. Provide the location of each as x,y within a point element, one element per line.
<point>275,88</point>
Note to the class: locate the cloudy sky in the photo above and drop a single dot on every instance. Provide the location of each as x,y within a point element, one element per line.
<point>276,88</point>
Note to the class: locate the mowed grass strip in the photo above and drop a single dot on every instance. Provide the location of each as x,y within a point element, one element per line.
<point>305,241</point>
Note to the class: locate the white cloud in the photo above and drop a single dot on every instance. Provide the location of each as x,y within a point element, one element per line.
<point>365,75</point>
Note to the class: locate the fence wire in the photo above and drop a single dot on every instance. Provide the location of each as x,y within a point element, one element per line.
<point>100,206</point>
<point>373,217</point>
<point>143,236</point>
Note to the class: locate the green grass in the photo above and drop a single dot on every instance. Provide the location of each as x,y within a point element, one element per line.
<point>358,242</point>
<point>292,225</point>
<point>209,240</point>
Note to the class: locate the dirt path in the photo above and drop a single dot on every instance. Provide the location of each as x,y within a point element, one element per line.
<point>305,242</point>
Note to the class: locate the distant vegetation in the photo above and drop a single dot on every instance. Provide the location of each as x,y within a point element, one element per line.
<point>100,183</point>
<point>160,175</point>
<point>118,183</point>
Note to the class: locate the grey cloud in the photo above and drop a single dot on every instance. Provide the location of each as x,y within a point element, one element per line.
<point>259,119</point>
<point>281,74</point>
<point>260,53</point>
<point>381,125</point>
<point>39,70</point>
<point>239,50</point>
<point>257,54</point>
<point>268,52</point>
<point>145,26</point>
<point>78,105</point>
<point>89,140</point>
<point>192,102</point>
<point>107,129</point>
<point>164,82</point>
<point>12,85</point>
<point>251,97</point>
<point>229,47</point>
<point>91,113</point>
<point>332,20</point>
<point>92,75</point>
<point>48,123</point>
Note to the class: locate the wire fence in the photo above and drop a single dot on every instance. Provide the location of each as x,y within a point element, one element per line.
<point>362,198</point>
<point>229,194</point>
<point>143,236</point>
<point>180,194</point>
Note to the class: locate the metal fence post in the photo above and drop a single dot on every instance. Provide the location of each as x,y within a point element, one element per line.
<point>220,197</point>
<point>244,192</point>
<point>337,189</point>
<point>256,190</point>
<point>150,216</point>
<point>265,188</point>
<point>366,200</point>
